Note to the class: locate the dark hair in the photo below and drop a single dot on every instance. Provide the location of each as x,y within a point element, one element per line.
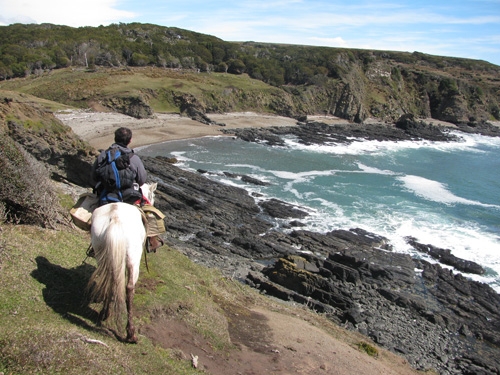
<point>123,136</point>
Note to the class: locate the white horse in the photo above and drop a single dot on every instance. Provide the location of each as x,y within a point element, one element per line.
<point>118,237</point>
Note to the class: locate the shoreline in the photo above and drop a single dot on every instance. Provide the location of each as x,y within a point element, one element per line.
<point>97,128</point>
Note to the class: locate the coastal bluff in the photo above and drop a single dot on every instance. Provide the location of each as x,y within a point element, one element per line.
<point>433,316</point>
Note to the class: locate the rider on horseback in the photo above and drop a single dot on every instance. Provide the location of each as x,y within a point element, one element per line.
<point>116,176</point>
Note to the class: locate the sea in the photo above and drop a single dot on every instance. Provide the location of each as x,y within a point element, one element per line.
<point>443,194</point>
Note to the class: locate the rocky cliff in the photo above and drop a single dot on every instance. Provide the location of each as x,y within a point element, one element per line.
<point>383,89</point>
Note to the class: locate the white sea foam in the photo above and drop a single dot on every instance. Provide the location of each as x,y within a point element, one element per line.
<point>436,191</point>
<point>465,240</point>
<point>301,176</point>
<point>468,142</point>
<point>181,157</point>
<point>373,170</point>
<point>474,140</point>
<point>248,166</point>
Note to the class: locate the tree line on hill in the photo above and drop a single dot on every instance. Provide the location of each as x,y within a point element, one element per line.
<point>27,49</point>
<point>349,83</point>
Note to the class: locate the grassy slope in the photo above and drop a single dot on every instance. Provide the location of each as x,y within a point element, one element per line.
<point>79,88</point>
<point>381,96</point>
<point>47,326</point>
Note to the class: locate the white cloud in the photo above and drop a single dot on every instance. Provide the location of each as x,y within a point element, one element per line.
<point>63,12</point>
<point>328,42</point>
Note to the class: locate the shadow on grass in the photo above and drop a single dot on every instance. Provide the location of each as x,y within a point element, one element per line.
<point>64,291</point>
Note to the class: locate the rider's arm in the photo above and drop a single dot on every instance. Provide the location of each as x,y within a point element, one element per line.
<point>141,171</point>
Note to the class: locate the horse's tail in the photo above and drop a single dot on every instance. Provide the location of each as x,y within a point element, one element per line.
<point>107,283</point>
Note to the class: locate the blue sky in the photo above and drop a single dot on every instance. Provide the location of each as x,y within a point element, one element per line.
<point>441,27</point>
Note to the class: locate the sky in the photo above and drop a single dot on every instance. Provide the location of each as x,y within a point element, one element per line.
<point>457,28</point>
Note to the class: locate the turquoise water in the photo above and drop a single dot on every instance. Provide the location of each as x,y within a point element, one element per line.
<point>444,194</point>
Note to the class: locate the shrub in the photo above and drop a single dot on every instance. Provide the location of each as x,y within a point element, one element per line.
<point>368,349</point>
<point>27,195</point>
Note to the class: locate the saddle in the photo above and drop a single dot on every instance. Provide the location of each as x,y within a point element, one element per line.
<point>152,218</point>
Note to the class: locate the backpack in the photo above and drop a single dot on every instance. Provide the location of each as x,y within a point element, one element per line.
<point>117,180</point>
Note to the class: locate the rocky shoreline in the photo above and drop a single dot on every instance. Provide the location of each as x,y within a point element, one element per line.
<point>435,318</point>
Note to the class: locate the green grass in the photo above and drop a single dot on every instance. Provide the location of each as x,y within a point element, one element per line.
<point>46,322</point>
<point>48,326</point>
<point>16,93</point>
<point>75,88</point>
<point>368,349</point>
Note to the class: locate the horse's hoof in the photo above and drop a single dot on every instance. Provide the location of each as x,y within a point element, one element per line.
<point>131,340</point>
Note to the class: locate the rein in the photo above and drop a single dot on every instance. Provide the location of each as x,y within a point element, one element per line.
<point>88,253</point>
<point>146,256</point>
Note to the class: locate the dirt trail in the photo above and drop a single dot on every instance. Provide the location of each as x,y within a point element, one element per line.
<point>269,342</point>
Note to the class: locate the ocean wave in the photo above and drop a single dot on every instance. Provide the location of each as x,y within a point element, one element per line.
<point>301,176</point>
<point>252,167</point>
<point>468,142</point>
<point>373,170</point>
<point>436,191</point>
<point>474,140</point>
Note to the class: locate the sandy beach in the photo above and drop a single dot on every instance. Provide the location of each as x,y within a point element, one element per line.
<point>98,128</point>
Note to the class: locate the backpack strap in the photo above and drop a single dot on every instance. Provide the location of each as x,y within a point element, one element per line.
<point>112,161</point>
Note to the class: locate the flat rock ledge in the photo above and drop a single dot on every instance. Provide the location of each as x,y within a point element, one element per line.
<point>433,316</point>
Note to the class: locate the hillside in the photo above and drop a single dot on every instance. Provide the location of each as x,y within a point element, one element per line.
<point>449,328</point>
<point>182,309</point>
<point>140,69</point>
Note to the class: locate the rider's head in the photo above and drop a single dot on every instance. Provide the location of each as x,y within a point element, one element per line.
<point>123,136</point>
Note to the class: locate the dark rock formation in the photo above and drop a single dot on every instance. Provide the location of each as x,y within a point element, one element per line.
<point>134,106</point>
<point>445,256</point>
<point>190,106</point>
<point>319,133</point>
<point>419,129</point>
<point>434,317</point>
<point>282,210</point>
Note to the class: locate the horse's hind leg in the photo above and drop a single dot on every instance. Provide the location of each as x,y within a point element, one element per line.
<point>103,315</point>
<point>131,337</point>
